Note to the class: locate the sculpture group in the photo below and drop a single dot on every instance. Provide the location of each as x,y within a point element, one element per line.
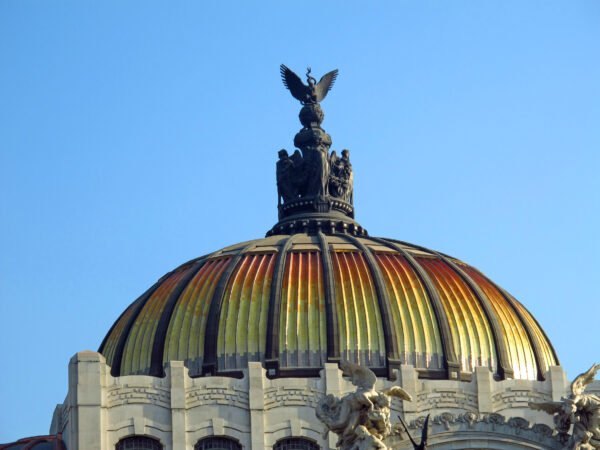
<point>580,411</point>
<point>361,419</point>
<point>313,173</point>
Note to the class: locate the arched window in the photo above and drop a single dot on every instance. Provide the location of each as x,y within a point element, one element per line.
<point>217,443</point>
<point>295,444</point>
<point>139,443</point>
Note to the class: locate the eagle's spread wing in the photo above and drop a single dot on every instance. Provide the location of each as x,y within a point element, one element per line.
<point>425,432</point>
<point>325,84</point>
<point>293,82</point>
<point>397,391</point>
<point>359,376</point>
<point>579,384</point>
<point>549,407</point>
<point>407,432</point>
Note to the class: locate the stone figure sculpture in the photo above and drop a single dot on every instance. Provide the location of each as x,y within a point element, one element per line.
<point>366,441</point>
<point>363,411</point>
<point>580,410</point>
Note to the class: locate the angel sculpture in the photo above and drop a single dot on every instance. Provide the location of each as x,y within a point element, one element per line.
<point>340,176</point>
<point>313,92</point>
<point>365,407</point>
<point>580,410</point>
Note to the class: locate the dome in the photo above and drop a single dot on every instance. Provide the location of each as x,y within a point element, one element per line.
<point>295,302</point>
<point>318,289</point>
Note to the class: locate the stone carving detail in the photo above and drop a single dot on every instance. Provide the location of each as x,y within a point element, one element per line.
<point>291,397</point>
<point>367,441</point>
<point>542,429</point>
<point>516,398</point>
<point>217,396</point>
<point>580,411</point>
<point>447,398</point>
<point>444,419</point>
<point>486,423</point>
<point>494,419</point>
<point>518,423</point>
<point>138,394</point>
<point>361,419</point>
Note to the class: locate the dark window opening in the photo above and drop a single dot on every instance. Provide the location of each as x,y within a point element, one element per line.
<point>295,444</point>
<point>139,443</point>
<point>217,443</point>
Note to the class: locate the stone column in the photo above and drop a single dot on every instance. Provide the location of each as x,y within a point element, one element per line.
<point>485,389</point>
<point>256,400</point>
<point>409,382</point>
<point>86,401</point>
<point>333,385</point>
<point>177,373</point>
<point>558,382</point>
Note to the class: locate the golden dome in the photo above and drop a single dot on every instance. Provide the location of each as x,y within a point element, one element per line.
<point>295,302</point>
<point>317,289</point>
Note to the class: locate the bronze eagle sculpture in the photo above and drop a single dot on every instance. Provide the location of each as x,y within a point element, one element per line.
<point>424,432</point>
<point>313,92</point>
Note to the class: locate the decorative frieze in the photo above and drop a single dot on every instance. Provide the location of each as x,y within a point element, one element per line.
<point>282,396</point>
<point>517,398</point>
<point>126,394</point>
<point>485,425</point>
<point>204,396</point>
<point>447,398</point>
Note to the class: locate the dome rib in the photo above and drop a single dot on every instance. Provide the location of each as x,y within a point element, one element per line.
<point>452,365</point>
<point>332,327</point>
<point>272,346</point>
<point>120,348</point>
<point>389,333</point>
<point>504,368</point>
<point>209,365</point>
<point>514,326</point>
<point>158,346</point>
<point>535,343</point>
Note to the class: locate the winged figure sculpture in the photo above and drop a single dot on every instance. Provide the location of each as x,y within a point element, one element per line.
<point>364,379</point>
<point>312,92</point>
<point>578,409</point>
<point>361,419</point>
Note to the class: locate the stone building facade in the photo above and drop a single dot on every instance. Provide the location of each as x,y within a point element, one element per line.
<point>257,412</point>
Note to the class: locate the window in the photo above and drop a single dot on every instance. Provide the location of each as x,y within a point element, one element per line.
<point>217,443</point>
<point>295,444</point>
<point>139,443</point>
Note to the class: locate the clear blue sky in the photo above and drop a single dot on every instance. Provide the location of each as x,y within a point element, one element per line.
<point>135,135</point>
